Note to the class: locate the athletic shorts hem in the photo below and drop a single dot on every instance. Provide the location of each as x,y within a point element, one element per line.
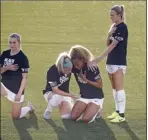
<point>114,68</point>
<point>11,96</point>
<point>56,99</point>
<point>95,101</point>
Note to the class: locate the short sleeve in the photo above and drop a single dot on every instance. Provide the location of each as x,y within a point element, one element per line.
<point>25,65</point>
<point>96,74</point>
<point>52,77</point>
<point>120,33</point>
<point>2,58</point>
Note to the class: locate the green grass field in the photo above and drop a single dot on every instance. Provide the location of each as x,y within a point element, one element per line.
<point>48,28</point>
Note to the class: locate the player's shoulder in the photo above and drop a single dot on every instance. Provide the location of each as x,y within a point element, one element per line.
<point>123,25</point>
<point>52,69</point>
<point>22,54</point>
<point>96,70</point>
<point>6,52</point>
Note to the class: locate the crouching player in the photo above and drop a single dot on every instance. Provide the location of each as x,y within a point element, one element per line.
<point>56,92</point>
<point>90,84</point>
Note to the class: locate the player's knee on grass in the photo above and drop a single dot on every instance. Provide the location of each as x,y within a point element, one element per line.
<point>73,117</point>
<point>16,110</point>
<point>86,119</point>
<point>15,116</point>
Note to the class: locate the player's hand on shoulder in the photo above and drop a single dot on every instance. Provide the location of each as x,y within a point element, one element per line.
<point>92,65</point>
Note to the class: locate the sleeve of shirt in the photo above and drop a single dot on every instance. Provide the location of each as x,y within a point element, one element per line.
<point>120,34</point>
<point>52,77</point>
<point>96,74</point>
<point>25,65</point>
<point>2,58</point>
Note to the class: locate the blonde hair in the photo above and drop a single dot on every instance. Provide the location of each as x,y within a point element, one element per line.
<point>80,51</point>
<point>60,61</point>
<point>17,37</point>
<point>119,10</point>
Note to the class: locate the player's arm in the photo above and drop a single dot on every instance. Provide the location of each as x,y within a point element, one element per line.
<point>3,69</point>
<point>11,67</point>
<point>23,83</point>
<point>25,69</point>
<point>110,32</point>
<point>120,33</point>
<point>97,79</point>
<point>56,90</point>
<point>60,92</point>
<point>97,83</point>
<point>106,52</point>
<point>51,78</point>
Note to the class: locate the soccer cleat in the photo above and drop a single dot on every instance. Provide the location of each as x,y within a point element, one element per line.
<point>29,104</point>
<point>118,119</point>
<point>46,115</point>
<point>113,115</point>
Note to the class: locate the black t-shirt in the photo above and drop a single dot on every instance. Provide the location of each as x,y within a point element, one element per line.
<point>87,91</point>
<point>12,79</point>
<point>118,55</point>
<point>56,79</point>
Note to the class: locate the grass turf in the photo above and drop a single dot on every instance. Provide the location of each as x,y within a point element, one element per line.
<point>48,28</point>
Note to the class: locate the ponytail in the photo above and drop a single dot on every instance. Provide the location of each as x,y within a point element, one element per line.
<point>122,13</point>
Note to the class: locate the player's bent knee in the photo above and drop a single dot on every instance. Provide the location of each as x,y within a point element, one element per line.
<point>86,119</point>
<point>74,117</point>
<point>15,116</point>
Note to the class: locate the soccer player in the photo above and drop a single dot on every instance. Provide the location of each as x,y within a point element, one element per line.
<point>116,53</point>
<point>14,71</point>
<point>56,92</point>
<point>90,84</point>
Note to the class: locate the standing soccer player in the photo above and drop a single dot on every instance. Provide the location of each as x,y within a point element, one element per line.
<point>116,60</point>
<point>90,83</point>
<point>14,71</point>
<point>56,92</point>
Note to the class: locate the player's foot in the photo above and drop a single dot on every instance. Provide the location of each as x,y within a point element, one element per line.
<point>113,115</point>
<point>118,119</point>
<point>29,104</point>
<point>46,115</point>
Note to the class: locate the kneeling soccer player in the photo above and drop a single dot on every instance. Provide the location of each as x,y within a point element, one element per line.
<point>90,84</point>
<point>56,92</point>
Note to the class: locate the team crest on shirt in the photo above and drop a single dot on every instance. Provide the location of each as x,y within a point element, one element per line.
<point>8,61</point>
<point>63,79</point>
